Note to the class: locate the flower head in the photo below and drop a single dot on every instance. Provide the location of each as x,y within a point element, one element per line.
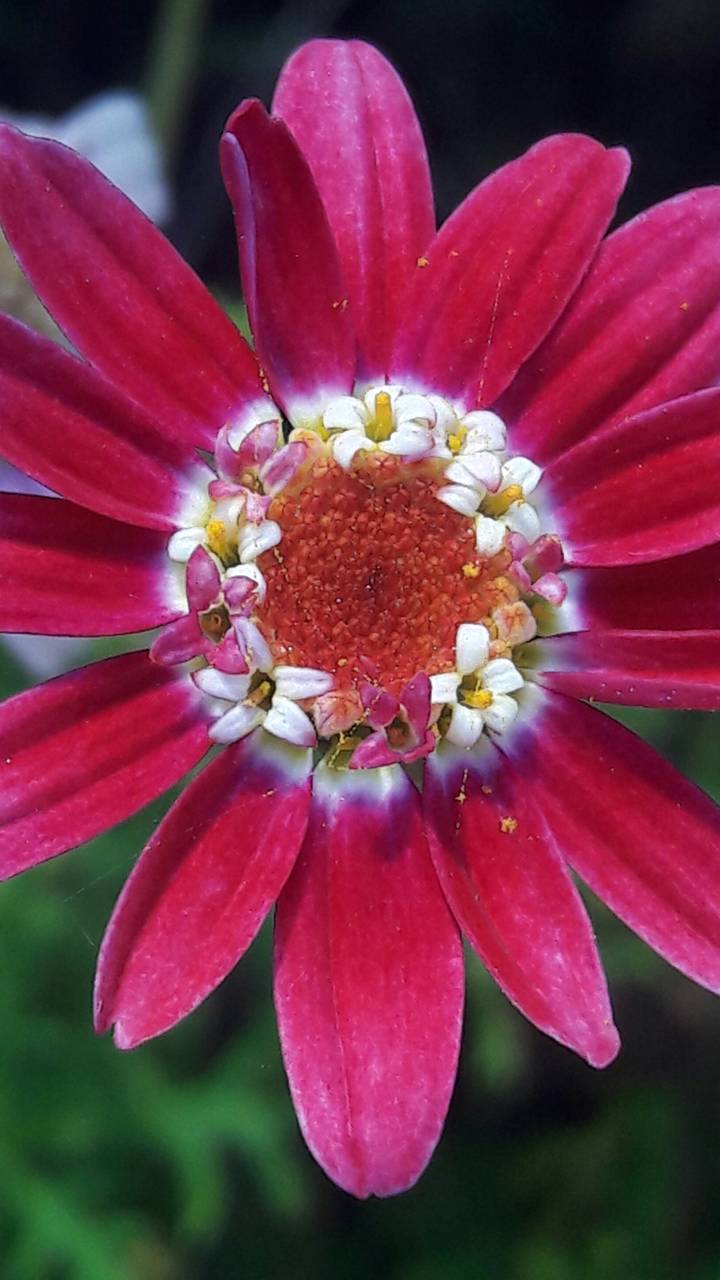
<point>466,483</point>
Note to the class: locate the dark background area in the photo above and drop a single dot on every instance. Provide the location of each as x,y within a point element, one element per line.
<point>182,1160</point>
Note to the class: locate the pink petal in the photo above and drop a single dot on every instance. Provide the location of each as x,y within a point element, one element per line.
<point>376,750</point>
<point>202,580</point>
<point>227,655</point>
<point>415,698</point>
<point>368,984</point>
<point>644,839</point>
<point>502,269</point>
<point>679,669</point>
<point>355,124</point>
<point>119,290</point>
<point>255,449</point>
<point>644,489</point>
<point>279,470</point>
<point>680,592</point>
<point>513,899</point>
<point>379,706</point>
<point>643,328</point>
<point>290,269</point>
<point>202,888</point>
<point>179,642</point>
<point>70,429</point>
<point>240,594</point>
<point>67,572</point>
<point>87,750</point>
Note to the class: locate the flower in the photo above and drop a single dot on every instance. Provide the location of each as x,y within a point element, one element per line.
<point>466,485</point>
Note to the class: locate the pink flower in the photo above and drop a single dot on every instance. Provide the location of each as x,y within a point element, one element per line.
<point>468,484</point>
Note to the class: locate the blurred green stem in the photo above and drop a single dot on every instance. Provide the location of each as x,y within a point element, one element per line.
<point>173,58</point>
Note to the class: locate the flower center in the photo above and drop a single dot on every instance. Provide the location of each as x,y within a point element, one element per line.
<point>372,568</point>
<point>373,582</point>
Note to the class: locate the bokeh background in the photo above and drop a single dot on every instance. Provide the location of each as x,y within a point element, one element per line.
<point>182,1160</point>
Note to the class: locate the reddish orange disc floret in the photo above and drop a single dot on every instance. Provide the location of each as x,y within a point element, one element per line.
<point>372,566</point>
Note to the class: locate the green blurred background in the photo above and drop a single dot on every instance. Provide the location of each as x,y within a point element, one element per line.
<point>183,1160</point>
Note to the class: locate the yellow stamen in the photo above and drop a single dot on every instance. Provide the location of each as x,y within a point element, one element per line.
<point>478,699</point>
<point>258,695</point>
<point>382,426</point>
<point>508,825</point>
<point>217,539</point>
<point>457,439</point>
<point>471,570</point>
<point>496,504</point>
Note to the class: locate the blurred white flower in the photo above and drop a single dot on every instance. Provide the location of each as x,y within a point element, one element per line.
<point>114,131</point>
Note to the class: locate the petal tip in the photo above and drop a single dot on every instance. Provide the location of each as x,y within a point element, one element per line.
<point>604,1049</point>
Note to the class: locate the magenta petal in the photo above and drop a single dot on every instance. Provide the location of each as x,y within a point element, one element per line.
<point>120,291</point>
<point>374,751</point>
<point>202,580</point>
<point>355,124</point>
<point>290,269</point>
<point>379,706</point>
<point>202,888</point>
<point>67,572</point>
<point>368,984</point>
<point>503,267</point>
<point>683,591</point>
<point>67,427</point>
<point>179,642</point>
<point>643,328</point>
<point>87,750</point>
<point>239,594</point>
<point>679,669</point>
<point>227,655</point>
<point>415,698</point>
<point>644,839</point>
<point>513,899</point>
<point>644,489</point>
<point>377,750</point>
<point>279,470</point>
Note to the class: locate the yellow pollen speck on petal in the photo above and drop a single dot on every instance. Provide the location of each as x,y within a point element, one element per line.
<point>508,825</point>
<point>486,790</point>
<point>471,570</point>
<point>423,262</point>
<point>478,699</point>
<point>496,504</point>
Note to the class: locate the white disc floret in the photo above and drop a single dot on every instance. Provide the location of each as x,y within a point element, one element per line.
<point>478,690</point>
<point>386,419</point>
<point>274,696</point>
